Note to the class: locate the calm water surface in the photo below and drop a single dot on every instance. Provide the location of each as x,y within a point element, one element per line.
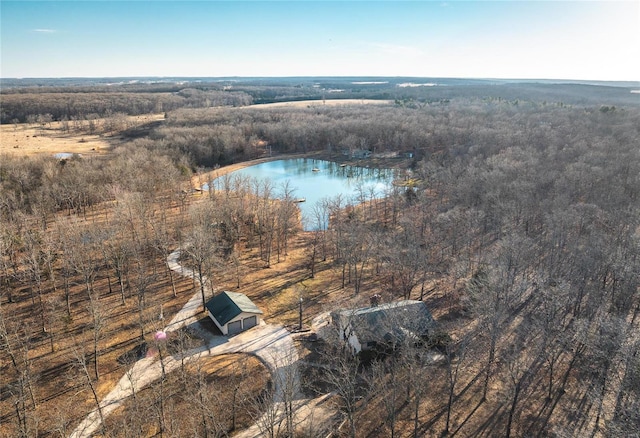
<point>314,180</point>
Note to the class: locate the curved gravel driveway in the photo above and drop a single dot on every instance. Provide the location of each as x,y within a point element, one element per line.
<point>272,344</point>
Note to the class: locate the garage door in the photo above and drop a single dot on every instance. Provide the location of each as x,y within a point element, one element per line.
<point>249,322</point>
<point>234,327</point>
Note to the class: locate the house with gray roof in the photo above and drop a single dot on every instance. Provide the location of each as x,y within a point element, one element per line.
<point>384,326</point>
<point>233,312</point>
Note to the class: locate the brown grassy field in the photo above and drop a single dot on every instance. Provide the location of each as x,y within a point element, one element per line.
<point>314,103</point>
<point>50,138</point>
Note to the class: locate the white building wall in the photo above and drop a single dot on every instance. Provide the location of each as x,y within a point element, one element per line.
<point>225,329</point>
<point>354,342</point>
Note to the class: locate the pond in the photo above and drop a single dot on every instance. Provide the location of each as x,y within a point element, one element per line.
<point>313,180</point>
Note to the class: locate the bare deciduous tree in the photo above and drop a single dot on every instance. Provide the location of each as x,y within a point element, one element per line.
<point>202,245</point>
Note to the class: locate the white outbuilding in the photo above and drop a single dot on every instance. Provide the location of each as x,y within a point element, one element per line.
<point>233,312</point>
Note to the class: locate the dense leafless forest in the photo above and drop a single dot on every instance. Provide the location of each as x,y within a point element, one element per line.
<point>518,224</point>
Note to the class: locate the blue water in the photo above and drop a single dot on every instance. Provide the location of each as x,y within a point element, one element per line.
<point>314,180</point>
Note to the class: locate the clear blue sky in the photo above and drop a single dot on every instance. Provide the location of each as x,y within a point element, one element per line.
<point>595,40</point>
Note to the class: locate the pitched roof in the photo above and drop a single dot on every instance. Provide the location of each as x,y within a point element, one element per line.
<point>390,322</point>
<point>227,305</point>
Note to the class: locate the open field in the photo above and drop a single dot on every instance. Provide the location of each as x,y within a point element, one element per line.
<point>25,139</point>
<point>49,139</point>
<point>319,103</point>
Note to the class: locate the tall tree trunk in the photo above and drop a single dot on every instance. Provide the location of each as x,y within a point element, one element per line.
<point>171,279</point>
<point>514,402</point>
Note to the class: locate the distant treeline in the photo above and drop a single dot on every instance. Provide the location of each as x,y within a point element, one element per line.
<point>19,107</point>
<point>68,100</point>
<point>220,136</point>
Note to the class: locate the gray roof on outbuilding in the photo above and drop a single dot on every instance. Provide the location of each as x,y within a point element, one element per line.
<point>227,305</point>
<point>390,322</point>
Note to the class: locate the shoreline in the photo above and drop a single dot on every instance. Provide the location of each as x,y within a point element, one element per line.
<point>198,180</point>
<point>209,175</point>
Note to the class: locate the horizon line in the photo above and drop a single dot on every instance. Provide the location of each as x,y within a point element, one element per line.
<point>488,78</point>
